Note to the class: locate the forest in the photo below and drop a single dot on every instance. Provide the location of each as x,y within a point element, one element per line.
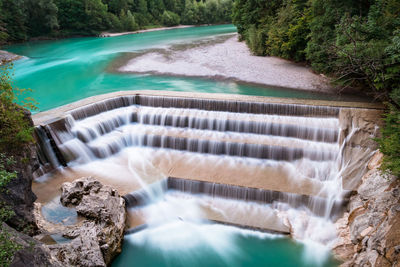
<point>22,20</point>
<point>357,43</point>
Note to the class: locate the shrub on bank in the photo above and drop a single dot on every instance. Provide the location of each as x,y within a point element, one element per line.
<point>390,142</point>
<point>15,130</point>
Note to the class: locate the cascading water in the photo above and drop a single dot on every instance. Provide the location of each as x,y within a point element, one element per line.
<point>284,159</point>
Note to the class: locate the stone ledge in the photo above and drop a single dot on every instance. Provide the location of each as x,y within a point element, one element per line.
<point>53,114</point>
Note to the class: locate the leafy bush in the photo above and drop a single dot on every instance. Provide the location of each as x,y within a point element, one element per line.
<point>15,129</point>
<point>390,142</point>
<point>6,176</point>
<point>255,40</point>
<point>7,246</point>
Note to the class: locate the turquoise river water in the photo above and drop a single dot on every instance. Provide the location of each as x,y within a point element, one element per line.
<point>63,71</point>
<point>183,244</point>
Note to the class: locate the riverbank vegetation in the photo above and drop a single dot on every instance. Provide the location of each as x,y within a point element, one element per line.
<point>355,42</point>
<point>21,20</point>
<point>15,133</point>
<point>15,129</point>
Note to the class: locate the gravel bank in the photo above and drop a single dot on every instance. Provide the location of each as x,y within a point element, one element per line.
<point>230,59</point>
<point>109,34</point>
<point>7,56</point>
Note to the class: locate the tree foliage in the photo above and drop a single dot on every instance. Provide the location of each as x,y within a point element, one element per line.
<point>169,18</point>
<point>15,130</point>
<point>355,42</point>
<point>24,19</point>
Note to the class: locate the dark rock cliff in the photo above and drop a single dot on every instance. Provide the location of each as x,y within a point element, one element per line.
<point>18,194</point>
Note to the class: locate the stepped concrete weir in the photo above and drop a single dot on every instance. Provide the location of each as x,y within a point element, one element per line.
<point>281,154</point>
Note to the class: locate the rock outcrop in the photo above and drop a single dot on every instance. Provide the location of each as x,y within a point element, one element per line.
<point>19,196</point>
<point>369,233</point>
<point>6,56</point>
<point>358,128</point>
<point>97,239</point>
<point>32,253</point>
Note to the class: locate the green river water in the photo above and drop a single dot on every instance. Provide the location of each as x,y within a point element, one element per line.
<point>183,244</point>
<point>63,71</point>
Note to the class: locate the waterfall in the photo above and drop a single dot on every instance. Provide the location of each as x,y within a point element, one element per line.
<point>288,157</point>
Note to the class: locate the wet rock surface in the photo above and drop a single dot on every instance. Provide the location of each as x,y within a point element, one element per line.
<point>97,239</point>
<point>369,233</point>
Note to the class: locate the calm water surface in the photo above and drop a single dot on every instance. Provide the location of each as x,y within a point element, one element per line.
<point>183,244</point>
<point>63,71</point>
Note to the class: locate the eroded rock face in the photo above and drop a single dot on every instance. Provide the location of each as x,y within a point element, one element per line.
<point>369,234</point>
<point>98,239</point>
<point>358,128</point>
<point>19,196</point>
<point>32,253</point>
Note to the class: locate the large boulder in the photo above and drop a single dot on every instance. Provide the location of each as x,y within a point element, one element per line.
<point>98,238</point>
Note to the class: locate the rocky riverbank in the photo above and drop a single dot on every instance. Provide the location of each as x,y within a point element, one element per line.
<point>94,241</point>
<point>369,233</point>
<point>114,34</point>
<point>226,58</point>
<point>97,238</point>
<point>18,194</point>
<point>6,56</point>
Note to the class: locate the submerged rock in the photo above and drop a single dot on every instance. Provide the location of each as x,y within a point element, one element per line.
<point>98,238</point>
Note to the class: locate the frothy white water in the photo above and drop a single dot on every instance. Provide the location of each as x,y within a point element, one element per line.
<point>176,223</point>
<point>95,126</point>
<point>110,132</point>
<point>288,154</point>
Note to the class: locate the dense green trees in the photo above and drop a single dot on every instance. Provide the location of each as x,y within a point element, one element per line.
<point>24,19</point>
<point>41,17</point>
<point>355,42</point>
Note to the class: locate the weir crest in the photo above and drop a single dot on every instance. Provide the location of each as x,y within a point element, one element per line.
<point>288,156</point>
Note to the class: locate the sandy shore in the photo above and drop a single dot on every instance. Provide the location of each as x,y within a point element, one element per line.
<point>231,60</point>
<point>109,34</point>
